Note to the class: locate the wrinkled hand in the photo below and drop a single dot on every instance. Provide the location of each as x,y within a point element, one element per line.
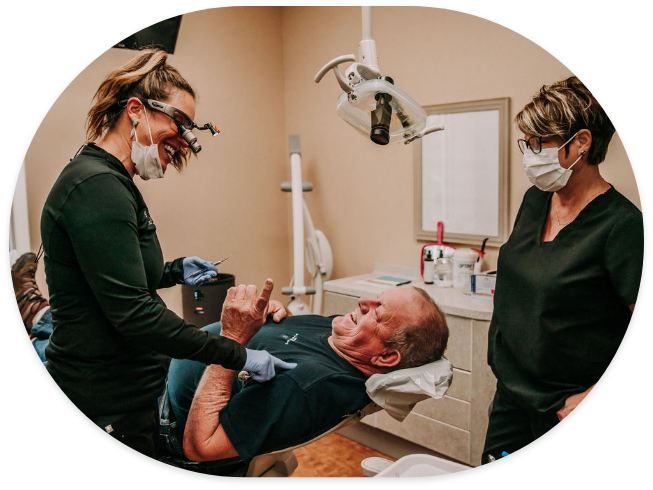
<point>195,264</point>
<point>260,364</point>
<point>243,312</point>
<point>277,310</point>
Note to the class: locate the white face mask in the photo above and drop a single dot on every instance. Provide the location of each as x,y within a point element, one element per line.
<point>544,169</point>
<point>147,164</point>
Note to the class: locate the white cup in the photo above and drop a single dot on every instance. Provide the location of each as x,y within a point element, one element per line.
<point>463,268</point>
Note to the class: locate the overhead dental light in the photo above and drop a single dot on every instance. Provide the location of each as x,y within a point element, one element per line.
<point>371,103</point>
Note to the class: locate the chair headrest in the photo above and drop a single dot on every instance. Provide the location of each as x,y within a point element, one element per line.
<point>397,392</point>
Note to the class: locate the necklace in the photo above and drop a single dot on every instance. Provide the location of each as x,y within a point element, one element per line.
<point>587,201</point>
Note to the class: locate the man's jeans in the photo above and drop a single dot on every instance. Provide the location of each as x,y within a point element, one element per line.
<point>42,331</point>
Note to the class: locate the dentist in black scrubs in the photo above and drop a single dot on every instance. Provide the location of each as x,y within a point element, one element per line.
<point>113,336</point>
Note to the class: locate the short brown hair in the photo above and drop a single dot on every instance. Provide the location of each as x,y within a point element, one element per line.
<point>146,75</point>
<point>564,108</point>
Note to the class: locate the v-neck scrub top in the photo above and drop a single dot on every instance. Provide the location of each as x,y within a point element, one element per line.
<point>561,308</point>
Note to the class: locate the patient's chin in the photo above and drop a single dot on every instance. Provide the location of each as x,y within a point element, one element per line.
<point>338,326</point>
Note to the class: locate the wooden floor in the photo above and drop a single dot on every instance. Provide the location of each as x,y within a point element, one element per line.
<point>333,455</point>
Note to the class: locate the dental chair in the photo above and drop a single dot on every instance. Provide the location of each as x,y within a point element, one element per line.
<point>396,392</point>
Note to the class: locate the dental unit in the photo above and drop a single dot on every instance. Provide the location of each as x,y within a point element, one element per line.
<point>370,102</point>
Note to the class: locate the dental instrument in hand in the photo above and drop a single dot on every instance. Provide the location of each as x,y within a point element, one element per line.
<point>201,271</point>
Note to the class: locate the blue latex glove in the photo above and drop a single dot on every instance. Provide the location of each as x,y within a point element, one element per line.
<point>195,264</point>
<point>260,364</point>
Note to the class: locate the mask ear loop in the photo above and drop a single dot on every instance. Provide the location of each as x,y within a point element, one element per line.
<point>581,153</point>
<point>148,126</point>
<point>567,142</point>
<point>135,123</point>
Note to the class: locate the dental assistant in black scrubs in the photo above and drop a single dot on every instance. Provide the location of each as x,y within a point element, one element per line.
<point>568,276</point>
<point>113,336</point>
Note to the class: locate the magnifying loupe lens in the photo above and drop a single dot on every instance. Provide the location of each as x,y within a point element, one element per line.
<point>191,139</point>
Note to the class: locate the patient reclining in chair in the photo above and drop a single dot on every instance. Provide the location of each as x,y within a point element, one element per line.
<point>220,417</point>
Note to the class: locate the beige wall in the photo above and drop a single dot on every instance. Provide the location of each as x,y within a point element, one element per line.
<point>253,68</point>
<point>227,201</point>
<point>364,193</point>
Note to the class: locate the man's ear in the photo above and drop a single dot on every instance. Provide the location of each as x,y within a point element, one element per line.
<point>387,358</point>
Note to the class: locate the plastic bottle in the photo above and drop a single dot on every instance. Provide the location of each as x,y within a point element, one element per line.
<point>443,269</point>
<point>463,267</point>
<point>429,268</point>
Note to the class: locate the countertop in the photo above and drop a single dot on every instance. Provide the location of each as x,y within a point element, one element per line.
<point>451,300</point>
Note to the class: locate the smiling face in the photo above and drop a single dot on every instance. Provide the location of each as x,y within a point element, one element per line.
<point>164,129</point>
<point>360,336</point>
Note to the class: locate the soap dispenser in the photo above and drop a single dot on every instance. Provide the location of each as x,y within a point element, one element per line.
<point>444,270</point>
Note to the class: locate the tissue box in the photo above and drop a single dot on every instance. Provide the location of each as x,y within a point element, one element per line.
<point>484,283</point>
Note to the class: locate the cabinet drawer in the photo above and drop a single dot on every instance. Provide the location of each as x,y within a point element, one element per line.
<point>446,409</point>
<point>437,436</point>
<point>461,385</point>
<point>459,348</point>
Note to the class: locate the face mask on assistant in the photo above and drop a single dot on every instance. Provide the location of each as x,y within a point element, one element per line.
<point>147,164</point>
<point>544,170</point>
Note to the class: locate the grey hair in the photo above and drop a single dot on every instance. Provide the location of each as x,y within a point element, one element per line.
<point>424,341</point>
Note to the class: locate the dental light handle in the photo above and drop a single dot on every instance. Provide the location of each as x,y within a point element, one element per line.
<point>333,64</point>
<point>423,133</point>
<point>356,72</point>
<point>367,67</point>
